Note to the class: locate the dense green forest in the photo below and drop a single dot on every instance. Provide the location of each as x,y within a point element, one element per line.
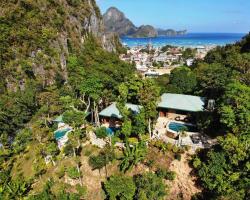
<point>42,79</point>
<point>224,76</point>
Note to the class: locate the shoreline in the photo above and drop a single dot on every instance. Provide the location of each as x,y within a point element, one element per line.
<point>190,40</point>
<point>178,46</point>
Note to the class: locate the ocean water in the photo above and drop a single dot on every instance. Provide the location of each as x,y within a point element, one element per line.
<point>190,39</point>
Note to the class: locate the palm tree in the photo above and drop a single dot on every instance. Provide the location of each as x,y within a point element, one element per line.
<point>17,189</point>
<point>132,156</point>
<point>182,133</point>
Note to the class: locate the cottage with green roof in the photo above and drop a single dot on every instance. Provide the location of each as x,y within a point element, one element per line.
<point>112,116</point>
<point>176,104</point>
<point>180,104</point>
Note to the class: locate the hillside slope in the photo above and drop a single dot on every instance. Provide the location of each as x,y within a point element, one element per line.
<point>38,35</point>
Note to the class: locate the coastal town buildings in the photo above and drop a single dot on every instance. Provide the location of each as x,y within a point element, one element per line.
<point>149,60</point>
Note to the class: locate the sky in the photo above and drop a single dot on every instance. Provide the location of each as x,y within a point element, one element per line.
<point>226,16</point>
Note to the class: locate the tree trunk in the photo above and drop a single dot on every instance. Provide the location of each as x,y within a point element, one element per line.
<point>88,106</point>
<point>80,178</point>
<point>106,172</point>
<point>78,146</point>
<point>53,162</point>
<point>149,128</point>
<point>96,115</point>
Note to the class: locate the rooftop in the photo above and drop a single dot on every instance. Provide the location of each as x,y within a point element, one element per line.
<point>112,110</point>
<point>59,119</point>
<point>182,102</point>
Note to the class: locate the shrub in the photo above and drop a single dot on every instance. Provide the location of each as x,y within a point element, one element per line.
<point>82,190</point>
<point>162,146</point>
<point>196,163</point>
<point>115,139</point>
<point>170,175</point>
<point>61,171</point>
<point>87,153</point>
<point>177,156</point>
<point>175,149</point>
<point>120,187</point>
<point>101,132</point>
<point>73,172</point>
<point>133,140</point>
<point>164,173</point>
<point>150,163</point>
<point>150,186</point>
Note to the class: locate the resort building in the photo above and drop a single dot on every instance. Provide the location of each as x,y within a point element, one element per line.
<point>175,111</point>
<point>173,121</point>
<point>174,105</point>
<point>111,117</point>
<point>170,106</point>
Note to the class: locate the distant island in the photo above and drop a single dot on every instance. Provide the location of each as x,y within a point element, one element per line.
<point>116,21</point>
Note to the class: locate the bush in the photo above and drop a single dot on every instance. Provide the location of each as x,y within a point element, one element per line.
<point>196,163</point>
<point>177,156</point>
<point>101,132</point>
<point>120,187</point>
<point>73,172</point>
<point>87,153</point>
<point>133,140</point>
<point>150,186</point>
<point>164,173</point>
<point>61,171</point>
<point>150,163</point>
<point>81,190</point>
<point>116,139</point>
<point>162,146</point>
<point>175,149</point>
<point>170,175</point>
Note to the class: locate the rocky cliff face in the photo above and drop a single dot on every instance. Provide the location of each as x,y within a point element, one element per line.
<point>115,21</point>
<point>170,32</point>
<point>145,31</point>
<point>37,37</point>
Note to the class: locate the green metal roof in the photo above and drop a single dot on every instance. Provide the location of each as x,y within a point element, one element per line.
<point>59,119</point>
<point>182,102</point>
<point>112,110</point>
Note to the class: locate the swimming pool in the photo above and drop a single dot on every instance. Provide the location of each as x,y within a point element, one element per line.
<point>112,130</point>
<point>177,127</point>
<point>60,133</point>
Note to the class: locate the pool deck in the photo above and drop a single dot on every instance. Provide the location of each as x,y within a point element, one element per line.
<point>160,133</point>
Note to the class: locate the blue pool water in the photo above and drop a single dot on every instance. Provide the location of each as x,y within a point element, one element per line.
<point>190,39</point>
<point>112,130</point>
<point>60,133</point>
<point>175,126</point>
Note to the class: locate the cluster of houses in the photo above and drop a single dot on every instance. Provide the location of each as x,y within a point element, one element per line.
<point>146,57</point>
<point>149,57</point>
<point>174,111</point>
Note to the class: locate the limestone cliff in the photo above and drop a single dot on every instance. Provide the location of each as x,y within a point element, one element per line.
<point>145,31</point>
<point>170,32</point>
<point>37,37</point>
<point>115,21</point>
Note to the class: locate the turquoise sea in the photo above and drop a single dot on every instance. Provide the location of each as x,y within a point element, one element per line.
<point>190,39</point>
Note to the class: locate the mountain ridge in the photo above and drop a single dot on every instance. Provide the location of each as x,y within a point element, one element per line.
<point>116,21</point>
